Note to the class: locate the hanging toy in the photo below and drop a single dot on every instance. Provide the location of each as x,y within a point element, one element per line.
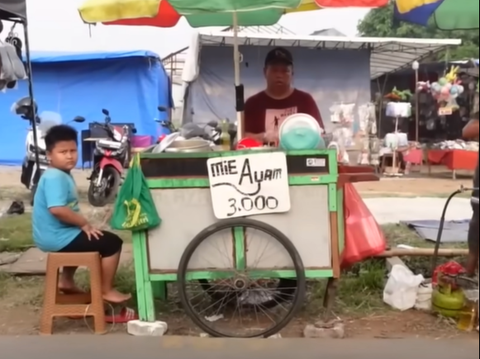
<point>423,86</point>
<point>451,76</point>
<point>446,90</point>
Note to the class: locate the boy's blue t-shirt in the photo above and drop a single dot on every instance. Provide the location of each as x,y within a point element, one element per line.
<point>55,189</point>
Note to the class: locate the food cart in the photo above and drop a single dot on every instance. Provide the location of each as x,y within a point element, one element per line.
<point>290,196</point>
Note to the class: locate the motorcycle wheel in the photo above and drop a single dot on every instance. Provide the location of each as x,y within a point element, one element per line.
<point>108,195</point>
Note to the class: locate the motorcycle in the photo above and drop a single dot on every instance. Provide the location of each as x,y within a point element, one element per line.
<point>31,173</point>
<point>166,126</point>
<point>111,156</point>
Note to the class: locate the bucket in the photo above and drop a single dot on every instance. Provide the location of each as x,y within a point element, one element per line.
<point>141,141</point>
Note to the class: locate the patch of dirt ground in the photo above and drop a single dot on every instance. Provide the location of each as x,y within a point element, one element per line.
<point>21,311</point>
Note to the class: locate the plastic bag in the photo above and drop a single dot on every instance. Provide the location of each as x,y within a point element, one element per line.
<point>401,289</point>
<point>363,236</point>
<point>424,297</point>
<point>134,208</point>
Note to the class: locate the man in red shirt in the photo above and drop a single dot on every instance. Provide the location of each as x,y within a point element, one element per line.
<point>265,111</point>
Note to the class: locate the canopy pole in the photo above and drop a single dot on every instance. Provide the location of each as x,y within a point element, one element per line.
<point>239,94</point>
<point>33,121</point>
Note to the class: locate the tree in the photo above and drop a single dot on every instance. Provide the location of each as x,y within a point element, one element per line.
<point>380,23</point>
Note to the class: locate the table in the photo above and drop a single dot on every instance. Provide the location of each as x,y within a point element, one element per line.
<point>453,159</point>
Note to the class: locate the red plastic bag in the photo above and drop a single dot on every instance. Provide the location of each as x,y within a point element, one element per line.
<point>363,236</point>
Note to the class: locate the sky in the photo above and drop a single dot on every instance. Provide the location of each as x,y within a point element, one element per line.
<point>54,25</point>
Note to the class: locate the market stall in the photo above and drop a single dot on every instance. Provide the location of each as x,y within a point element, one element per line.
<point>212,203</point>
<point>428,120</point>
<point>338,80</point>
<point>453,158</point>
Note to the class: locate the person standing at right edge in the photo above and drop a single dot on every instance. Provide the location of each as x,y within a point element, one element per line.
<point>470,132</point>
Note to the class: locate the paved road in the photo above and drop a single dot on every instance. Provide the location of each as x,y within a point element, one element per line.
<point>127,347</point>
<point>393,210</point>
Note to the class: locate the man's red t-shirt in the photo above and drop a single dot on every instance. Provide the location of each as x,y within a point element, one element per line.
<point>266,114</point>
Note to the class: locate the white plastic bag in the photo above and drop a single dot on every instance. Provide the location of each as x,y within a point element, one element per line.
<point>401,289</point>
<point>424,297</point>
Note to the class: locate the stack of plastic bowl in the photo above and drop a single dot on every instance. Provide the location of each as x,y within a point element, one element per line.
<point>301,132</point>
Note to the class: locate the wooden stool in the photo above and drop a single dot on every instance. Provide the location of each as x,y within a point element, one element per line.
<point>56,304</point>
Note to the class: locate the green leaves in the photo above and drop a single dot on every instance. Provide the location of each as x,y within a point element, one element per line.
<point>380,23</point>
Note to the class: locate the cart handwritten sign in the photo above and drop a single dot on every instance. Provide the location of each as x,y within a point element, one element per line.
<point>249,184</point>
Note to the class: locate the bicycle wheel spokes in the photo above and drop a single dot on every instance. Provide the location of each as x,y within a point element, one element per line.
<point>249,298</point>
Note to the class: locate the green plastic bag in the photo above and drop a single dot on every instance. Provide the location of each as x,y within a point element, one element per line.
<point>134,208</point>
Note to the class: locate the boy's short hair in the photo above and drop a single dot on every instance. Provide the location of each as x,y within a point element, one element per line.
<point>60,133</point>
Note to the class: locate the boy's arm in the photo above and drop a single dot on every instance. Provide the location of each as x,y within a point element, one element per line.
<point>56,195</point>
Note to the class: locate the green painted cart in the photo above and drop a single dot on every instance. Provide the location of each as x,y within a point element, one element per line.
<point>307,238</point>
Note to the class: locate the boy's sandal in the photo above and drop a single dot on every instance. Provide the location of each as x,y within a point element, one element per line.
<point>125,315</point>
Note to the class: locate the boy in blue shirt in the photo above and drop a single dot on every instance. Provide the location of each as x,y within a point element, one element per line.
<point>57,223</point>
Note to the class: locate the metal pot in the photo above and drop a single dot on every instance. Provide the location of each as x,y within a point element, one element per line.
<point>189,146</point>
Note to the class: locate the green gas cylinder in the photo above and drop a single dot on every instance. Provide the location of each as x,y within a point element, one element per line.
<point>447,301</point>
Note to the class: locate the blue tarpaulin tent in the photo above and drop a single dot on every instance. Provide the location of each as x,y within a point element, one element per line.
<point>130,84</point>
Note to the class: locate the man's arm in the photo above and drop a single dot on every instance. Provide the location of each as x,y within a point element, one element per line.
<point>252,122</point>
<point>470,131</point>
<point>56,195</point>
<point>311,109</point>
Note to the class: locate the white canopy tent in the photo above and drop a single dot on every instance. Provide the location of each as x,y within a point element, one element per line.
<point>332,69</point>
<point>386,54</point>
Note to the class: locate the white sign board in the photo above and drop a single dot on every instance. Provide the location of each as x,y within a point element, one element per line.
<point>249,184</point>
<point>445,111</point>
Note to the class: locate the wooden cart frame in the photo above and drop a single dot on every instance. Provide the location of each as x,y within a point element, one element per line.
<point>176,171</point>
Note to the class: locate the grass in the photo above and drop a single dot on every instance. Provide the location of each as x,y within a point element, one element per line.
<point>400,234</point>
<point>16,233</point>
<point>28,290</point>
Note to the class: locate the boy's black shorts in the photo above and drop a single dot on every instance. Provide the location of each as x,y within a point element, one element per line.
<point>107,245</point>
<point>473,235</point>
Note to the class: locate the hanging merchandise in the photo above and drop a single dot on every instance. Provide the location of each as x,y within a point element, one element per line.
<point>399,96</point>
<point>446,90</point>
<point>367,118</point>
<point>342,116</point>
<point>399,105</point>
<point>134,208</point>
<point>399,109</point>
<point>11,65</point>
<point>369,154</point>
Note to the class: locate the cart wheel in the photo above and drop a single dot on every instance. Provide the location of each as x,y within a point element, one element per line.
<point>223,291</point>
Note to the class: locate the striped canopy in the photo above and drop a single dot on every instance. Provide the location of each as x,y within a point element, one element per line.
<point>447,14</point>
<point>201,13</point>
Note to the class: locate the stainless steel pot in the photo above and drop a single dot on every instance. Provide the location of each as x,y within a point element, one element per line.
<point>186,146</point>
